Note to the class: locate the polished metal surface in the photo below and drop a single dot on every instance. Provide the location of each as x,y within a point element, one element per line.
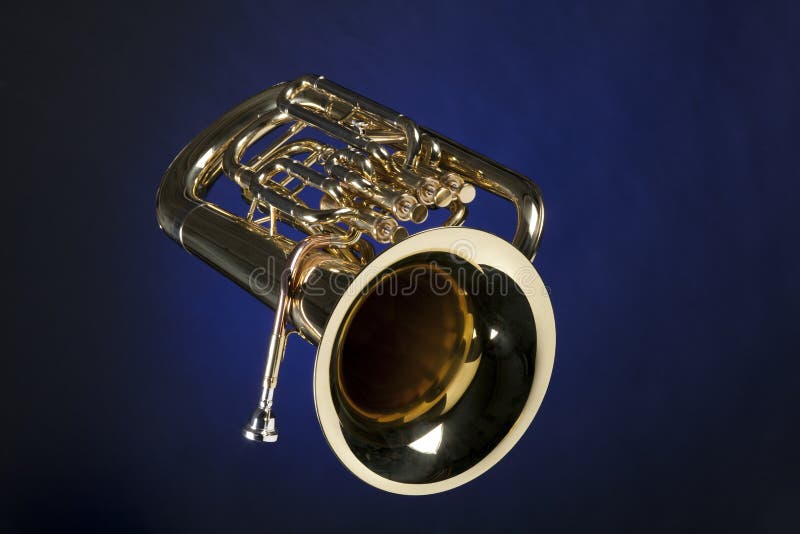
<point>329,177</point>
<point>464,432</point>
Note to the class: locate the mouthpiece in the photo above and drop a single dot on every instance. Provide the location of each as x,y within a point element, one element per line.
<point>261,426</point>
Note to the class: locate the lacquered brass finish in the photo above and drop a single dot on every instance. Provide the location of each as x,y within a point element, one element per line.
<point>434,355</point>
<point>423,357</point>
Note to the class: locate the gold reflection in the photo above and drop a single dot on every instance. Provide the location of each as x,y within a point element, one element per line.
<point>405,349</point>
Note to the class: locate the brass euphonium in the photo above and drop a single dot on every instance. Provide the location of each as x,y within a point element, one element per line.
<point>433,355</point>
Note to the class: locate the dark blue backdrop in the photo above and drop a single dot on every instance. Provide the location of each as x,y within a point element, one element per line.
<point>664,136</point>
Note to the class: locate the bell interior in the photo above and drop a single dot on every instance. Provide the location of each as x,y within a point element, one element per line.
<point>432,366</point>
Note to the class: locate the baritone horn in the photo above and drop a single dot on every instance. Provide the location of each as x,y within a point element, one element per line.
<point>435,347</point>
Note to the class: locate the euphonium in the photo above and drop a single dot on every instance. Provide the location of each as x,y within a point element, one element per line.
<point>434,349</point>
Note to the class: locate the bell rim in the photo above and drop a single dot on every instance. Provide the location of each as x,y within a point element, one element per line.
<point>476,246</point>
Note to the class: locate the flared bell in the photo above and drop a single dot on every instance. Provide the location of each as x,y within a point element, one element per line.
<point>434,362</point>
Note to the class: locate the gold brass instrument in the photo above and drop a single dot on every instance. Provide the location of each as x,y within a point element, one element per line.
<point>434,349</point>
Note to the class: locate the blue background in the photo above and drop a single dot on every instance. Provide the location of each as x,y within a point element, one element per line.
<point>665,139</point>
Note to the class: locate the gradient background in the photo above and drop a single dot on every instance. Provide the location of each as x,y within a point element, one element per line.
<point>665,139</point>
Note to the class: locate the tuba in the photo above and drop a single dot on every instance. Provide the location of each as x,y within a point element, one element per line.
<point>435,347</point>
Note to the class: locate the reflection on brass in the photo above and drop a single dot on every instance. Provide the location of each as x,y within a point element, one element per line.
<point>417,391</point>
<point>405,346</point>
